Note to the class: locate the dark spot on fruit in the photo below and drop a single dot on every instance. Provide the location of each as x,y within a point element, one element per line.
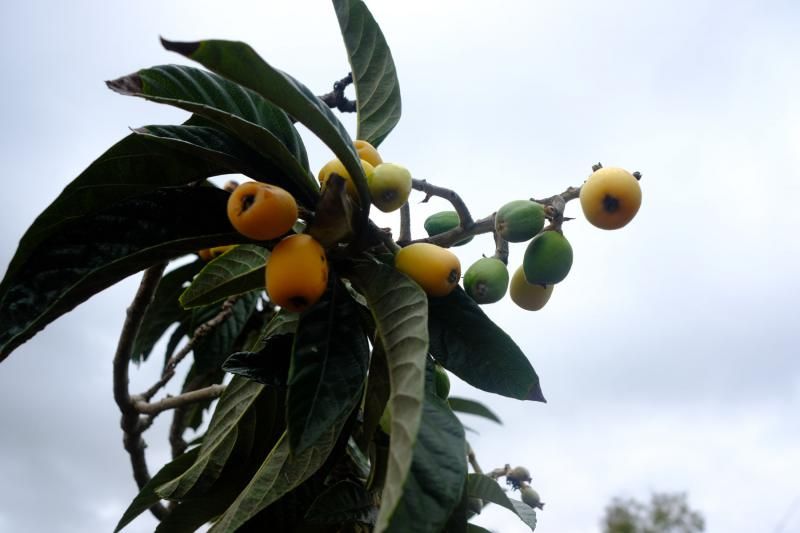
<point>481,289</point>
<point>248,201</point>
<point>610,204</point>
<point>454,276</point>
<point>389,195</point>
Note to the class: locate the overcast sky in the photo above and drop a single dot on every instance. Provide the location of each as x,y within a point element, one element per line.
<point>669,354</point>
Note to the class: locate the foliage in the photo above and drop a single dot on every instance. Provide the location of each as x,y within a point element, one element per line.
<point>665,513</point>
<point>332,420</point>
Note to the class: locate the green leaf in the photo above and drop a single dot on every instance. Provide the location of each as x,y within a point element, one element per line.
<point>92,253</point>
<point>147,497</point>
<point>525,513</point>
<point>341,503</point>
<point>467,343</point>
<point>219,441</point>
<point>164,310</point>
<point>281,472</point>
<point>328,369</point>
<point>192,414</point>
<point>436,480</point>
<point>237,271</point>
<point>471,407</point>
<point>212,349</point>
<point>212,144</point>
<point>485,488</point>
<point>243,112</point>
<point>132,167</point>
<point>399,307</point>
<point>269,362</point>
<point>240,63</point>
<point>376,396</point>
<point>472,528</point>
<point>374,74</point>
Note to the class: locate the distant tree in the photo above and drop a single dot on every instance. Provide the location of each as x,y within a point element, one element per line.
<point>666,513</point>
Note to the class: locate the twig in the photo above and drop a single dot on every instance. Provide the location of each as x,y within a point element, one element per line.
<point>336,98</point>
<point>132,425</point>
<point>405,223</point>
<point>500,248</point>
<point>173,402</point>
<point>203,330</point>
<point>473,460</point>
<point>450,195</point>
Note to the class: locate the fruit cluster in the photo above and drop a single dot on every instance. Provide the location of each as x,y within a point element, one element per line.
<point>297,270</point>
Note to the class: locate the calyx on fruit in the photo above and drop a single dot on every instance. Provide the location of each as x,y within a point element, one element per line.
<point>486,280</point>
<point>368,153</point>
<point>389,186</point>
<point>519,220</point>
<point>548,258</point>
<point>610,198</point>
<point>444,221</point>
<point>297,273</point>
<point>528,296</point>
<point>336,166</point>
<point>261,211</point>
<point>518,475</point>
<point>437,270</point>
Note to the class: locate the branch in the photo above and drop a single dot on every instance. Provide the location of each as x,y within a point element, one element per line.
<point>132,425</point>
<point>336,98</point>
<point>405,223</point>
<point>203,330</point>
<point>173,402</point>
<point>450,195</point>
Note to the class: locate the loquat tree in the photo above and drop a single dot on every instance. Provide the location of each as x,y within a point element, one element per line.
<point>318,344</point>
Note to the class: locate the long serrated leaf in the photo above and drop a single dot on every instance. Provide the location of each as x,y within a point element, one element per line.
<point>237,271</point>
<point>213,145</point>
<point>438,471</point>
<point>485,488</point>
<point>164,310</point>
<point>525,513</point>
<point>147,497</point>
<point>467,343</point>
<point>92,253</point>
<point>237,61</point>
<point>132,167</point>
<point>341,503</point>
<point>238,398</point>
<point>280,473</point>
<point>241,111</point>
<point>212,349</point>
<point>472,528</point>
<point>374,73</point>
<point>328,368</point>
<point>399,308</point>
<point>471,407</point>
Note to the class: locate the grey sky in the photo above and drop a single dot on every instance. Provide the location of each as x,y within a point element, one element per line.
<point>668,356</point>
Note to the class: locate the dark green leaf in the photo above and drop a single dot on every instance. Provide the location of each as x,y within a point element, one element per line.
<point>164,310</point>
<point>237,271</point>
<point>471,407</point>
<point>438,471</point>
<point>341,503</point>
<point>192,414</point>
<point>487,489</point>
<point>210,143</point>
<point>269,366</point>
<point>174,339</point>
<point>91,253</point>
<point>399,308</point>
<point>239,62</point>
<point>212,349</point>
<point>132,167</point>
<point>241,111</point>
<point>281,472</point>
<point>525,513</point>
<point>376,396</point>
<point>467,343</point>
<point>234,404</point>
<point>147,496</point>
<point>328,369</point>
<point>374,74</point>
<point>472,528</point>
